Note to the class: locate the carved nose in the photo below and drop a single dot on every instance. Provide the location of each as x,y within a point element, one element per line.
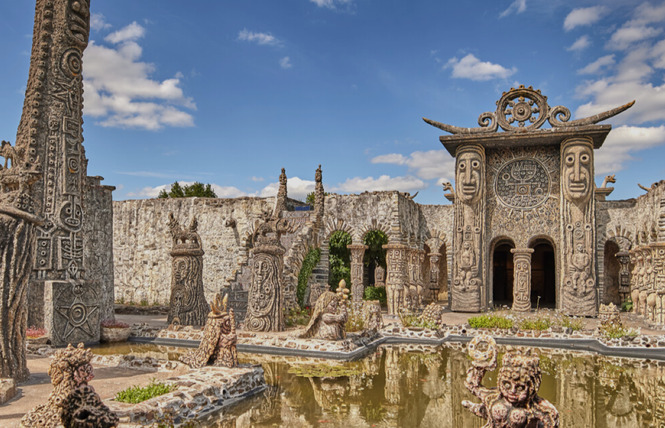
<point>577,171</point>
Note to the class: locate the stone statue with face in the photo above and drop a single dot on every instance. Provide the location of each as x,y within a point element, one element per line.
<point>470,171</point>
<point>577,170</point>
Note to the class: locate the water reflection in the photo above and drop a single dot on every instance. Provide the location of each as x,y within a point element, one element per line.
<point>424,387</point>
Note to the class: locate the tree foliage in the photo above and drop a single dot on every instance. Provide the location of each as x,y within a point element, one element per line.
<point>197,189</point>
<point>340,259</point>
<point>375,254</point>
<point>308,264</point>
<point>311,198</point>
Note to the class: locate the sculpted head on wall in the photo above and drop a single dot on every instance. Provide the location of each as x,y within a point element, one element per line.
<point>577,170</point>
<point>470,173</point>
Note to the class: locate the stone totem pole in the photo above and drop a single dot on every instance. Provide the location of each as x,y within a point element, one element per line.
<point>265,299</point>
<point>50,132</point>
<point>396,255</point>
<point>188,305</point>
<point>578,231</point>
<point>357,271</point>
<point>468,272</point>
<point>522,279</point>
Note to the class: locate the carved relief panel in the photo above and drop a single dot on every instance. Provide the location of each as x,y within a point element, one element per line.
<point>578,228</point>
<point>468,270</point>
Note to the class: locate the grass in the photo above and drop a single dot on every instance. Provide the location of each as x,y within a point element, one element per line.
<point>491,321</point>
<point>409,319</point>
<point>615,331</point>
<point>296,316</point>
<point>539,323</point>
<point>355,322</point>
<point>138,394</point>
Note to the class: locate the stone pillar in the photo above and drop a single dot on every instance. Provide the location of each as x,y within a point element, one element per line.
<point>659,267</point>
<point>578,228</point>
<point>624,275</point>
<point>434,273</point>
<point>188,305</point>
<point>265,301</point>
<point>468,293</point>
<point>357,271</point>
<point>396,284</point>
<point>522,279</point>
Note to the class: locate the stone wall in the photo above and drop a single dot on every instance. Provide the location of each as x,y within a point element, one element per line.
<point>142,243</point>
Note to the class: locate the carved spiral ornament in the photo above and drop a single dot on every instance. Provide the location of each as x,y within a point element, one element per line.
<point>524,106</point>
<point>72,64</point>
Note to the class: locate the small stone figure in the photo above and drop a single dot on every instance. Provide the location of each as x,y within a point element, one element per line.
<point>328,319</point>
<point>218,346</point>
<point>73,403</point>
<point>372,315</point>
<point>515,403</point>
<point>379,276</point>
<point>433,313</point>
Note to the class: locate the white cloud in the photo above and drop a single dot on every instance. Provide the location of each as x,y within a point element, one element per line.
<point>258,38</point>
<point>256,179</point>
<point>580,44</point>
<point>132,32</point>
<point>518,6</point>
<point>285,63</point>
<point>384,182</point>
<point>296,188</point>
<point>220,191</point>
<point>583,16</point>
<point>625,36</point>
<point>331,4</point>
<point>426,165</point>
<point>98,22</point>
<point>624,141</point>
<point>472,68</point>
<point>597,65</point>
<point>120,92</point>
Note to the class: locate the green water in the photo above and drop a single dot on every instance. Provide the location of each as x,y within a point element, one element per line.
<point>424,387</point>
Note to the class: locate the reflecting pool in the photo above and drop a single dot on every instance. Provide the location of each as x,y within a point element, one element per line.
<point>423,386</point>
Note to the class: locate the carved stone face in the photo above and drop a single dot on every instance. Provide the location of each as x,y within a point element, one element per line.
<point>576,167</point>
<point>515,391</point>
<point>469,176</point>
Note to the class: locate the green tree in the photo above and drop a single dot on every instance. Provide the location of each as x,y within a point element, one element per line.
<point>197,189</point>
<point>375,255</point>
<point>340,259</point>
<point>311,198</point>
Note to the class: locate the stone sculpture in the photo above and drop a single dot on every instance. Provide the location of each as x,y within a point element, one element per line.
<point>357,271</point>
<point>218,345</point>
<point>515,402</point>
<point>18,218</point>
<point>379,276</point>
<point>328,318</point>
<point>578,231</point>
<point>319,196</point>
<point>433,313</point>
<point>522,281</point>
<point>396,256</point>
<point>188,305</point>
<point>372,315</point>
<point>468,269</point>
<point>73,402</point>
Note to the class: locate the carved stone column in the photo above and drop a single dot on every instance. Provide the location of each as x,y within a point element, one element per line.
<point>624,275</point>
<point>357,271</point>
<point>468,243</point>
<point>659,268</point>
<point>434,273</point>
<point>578,228</point>
<point>396,284</point>
<point>188,305</point>
<point>522,279</point>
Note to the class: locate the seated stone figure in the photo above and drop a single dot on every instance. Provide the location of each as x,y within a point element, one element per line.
<point>515,402</point>
<point>218,345</point>
<point>328,319</point>
<point>73,403</point>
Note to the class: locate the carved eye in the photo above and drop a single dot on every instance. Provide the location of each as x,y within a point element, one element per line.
<point>475,164</point>
<point>584,158</point>
<point>462,166</point>
<point>570,159</point>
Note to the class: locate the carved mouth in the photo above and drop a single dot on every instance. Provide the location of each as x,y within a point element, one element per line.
<point>467,188</point>
<point>577,187</point>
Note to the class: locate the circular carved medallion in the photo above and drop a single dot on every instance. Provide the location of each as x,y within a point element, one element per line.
<point>522,184</point>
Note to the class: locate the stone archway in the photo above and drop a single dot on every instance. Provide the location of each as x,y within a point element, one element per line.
<point>502,273</point>
<point>543,274</point>
<point>611,274</point>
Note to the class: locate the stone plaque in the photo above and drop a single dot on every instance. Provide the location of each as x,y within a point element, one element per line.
<point>522,184</point>
<point>71,312</point>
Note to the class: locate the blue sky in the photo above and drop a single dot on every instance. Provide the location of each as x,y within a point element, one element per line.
<point>229,92</point>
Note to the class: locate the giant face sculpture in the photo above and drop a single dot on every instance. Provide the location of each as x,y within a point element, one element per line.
<point>577,170</point>
<point>470,172</point>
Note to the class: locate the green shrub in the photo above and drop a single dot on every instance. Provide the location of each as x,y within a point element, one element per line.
<point>410,319</point>
<point>617,331</point>
<point>309,262</point>
<point>297,316</point>
<point>340,259</point>
<point>138,394</point>
<point>541,323</point>
<point>627,306</point>
<point>355,322</point>
<point>574,324</point>
<point>490,321</point>
<point>376,293</point>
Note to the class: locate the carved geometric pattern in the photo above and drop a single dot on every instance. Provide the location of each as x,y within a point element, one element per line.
<point>522,184</point>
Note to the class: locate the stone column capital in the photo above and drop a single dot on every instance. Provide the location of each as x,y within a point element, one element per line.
<point>522,251</point>
<point>357,247</point>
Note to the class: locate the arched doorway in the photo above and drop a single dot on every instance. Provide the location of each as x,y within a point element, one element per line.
<point>611,273</point>
<point>543,275</point>
<point>502,273</point>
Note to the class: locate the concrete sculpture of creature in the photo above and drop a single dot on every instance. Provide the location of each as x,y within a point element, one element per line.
<point>515,403</point>
<point>328,319</point>
<point>73,403</point>
<point>218,346</point>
